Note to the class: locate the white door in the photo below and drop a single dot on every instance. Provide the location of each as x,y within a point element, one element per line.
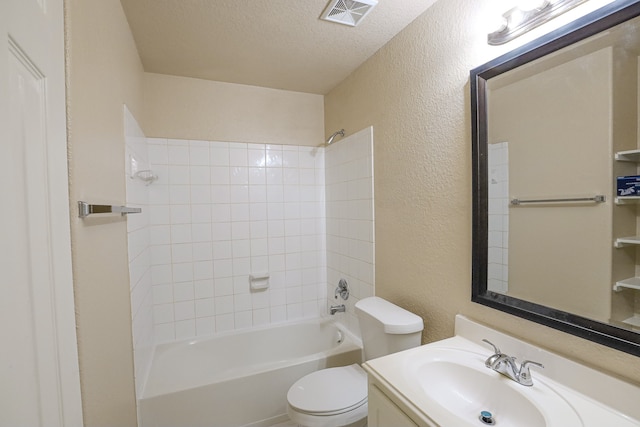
<point>39,378</point>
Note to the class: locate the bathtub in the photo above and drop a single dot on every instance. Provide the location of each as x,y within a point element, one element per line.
<point>239,379</point>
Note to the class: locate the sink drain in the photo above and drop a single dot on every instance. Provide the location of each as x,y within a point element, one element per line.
<point>487,418</point>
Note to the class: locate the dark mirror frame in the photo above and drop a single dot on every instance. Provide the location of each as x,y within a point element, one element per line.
<point>602,19</point>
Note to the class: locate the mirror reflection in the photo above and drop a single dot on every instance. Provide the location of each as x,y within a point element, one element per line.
<point>549,139</point>
<point>556,134</point>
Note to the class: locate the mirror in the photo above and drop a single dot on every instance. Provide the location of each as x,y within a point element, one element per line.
<point>554,124</point>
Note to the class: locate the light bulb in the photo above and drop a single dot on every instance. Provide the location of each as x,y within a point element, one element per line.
<point>527,5</point>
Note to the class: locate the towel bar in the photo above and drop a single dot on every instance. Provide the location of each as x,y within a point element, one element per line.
<point>85,209</point>
<point>597,199</point>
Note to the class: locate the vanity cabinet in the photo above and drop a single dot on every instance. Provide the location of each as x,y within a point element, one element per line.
<point>384,413</point>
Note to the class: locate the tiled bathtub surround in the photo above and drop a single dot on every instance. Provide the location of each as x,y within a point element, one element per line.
<point>498,260</point>
<point>223,211</point>
<point>350,220</point>
<point>136,158</point>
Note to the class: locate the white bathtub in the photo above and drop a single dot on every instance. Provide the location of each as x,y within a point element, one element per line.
<point>242,378</point>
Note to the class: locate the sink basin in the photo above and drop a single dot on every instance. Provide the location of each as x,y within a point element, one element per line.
<point>465,392</point>
<point>457,387</point>
<point>446,384</point>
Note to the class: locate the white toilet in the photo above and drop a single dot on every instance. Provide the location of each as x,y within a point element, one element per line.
<point>337,397</point>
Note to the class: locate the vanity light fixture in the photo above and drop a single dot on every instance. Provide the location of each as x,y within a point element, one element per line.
<point>527,16</point>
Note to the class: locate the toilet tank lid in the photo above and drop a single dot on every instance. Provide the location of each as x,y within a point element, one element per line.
<point>396,320</point>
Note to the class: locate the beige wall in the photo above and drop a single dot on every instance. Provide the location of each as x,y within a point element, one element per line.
<point>415,93</point>
<point>185,108</point>
<point>103,73</point>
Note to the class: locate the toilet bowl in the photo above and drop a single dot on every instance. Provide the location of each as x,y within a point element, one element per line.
<point>337,397</point>
<point>332,397</point>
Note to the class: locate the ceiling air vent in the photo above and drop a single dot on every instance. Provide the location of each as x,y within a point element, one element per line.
<point>348,12</point>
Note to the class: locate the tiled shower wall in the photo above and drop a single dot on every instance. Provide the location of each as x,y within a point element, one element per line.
<point>350,220</point>
<point>221,212</point>
<point>138,248</point>
<point>498,256</point>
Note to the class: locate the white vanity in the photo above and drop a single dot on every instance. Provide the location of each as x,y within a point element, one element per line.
<point>447,384</point>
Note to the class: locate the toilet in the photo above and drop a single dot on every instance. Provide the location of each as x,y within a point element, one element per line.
<point>337,397</point>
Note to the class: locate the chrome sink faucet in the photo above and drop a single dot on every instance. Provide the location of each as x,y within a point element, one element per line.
<point>507,366</point>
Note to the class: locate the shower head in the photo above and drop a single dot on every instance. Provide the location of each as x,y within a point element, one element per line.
<point>333,136</point>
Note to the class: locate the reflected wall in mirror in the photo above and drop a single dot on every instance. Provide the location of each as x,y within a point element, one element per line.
<point>552,122</point>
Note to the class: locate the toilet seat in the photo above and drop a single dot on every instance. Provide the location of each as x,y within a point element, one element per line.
<point>329,391</point>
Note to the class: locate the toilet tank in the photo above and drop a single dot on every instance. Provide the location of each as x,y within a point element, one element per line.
<point>387,328</point>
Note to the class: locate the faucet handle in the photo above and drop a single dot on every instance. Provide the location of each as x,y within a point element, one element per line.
<point>496,350</point>
<point>494,360</point>
<point>524,375</point>
<point>530,362</point>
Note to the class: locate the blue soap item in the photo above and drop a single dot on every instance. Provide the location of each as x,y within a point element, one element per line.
<point>628,185</point>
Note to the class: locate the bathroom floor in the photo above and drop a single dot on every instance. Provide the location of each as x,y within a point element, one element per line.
<point>288,423</point>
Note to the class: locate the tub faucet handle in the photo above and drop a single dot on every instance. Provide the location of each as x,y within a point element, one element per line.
<point>342,290</point>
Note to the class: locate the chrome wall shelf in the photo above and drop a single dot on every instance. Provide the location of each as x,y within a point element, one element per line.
<point>630,283</point>
<point>623,200</point>
<point>628,156</point>
<point>624,241</point>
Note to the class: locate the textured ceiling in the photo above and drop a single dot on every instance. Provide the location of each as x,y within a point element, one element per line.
<point>279,44</point>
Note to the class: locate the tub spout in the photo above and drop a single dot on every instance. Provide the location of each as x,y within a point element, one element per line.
<point>337,308</point>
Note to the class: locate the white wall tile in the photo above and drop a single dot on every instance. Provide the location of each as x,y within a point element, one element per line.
<point>227,210</point>
<point>185,329</point>
<point>202,270</point>
<point>203,289</point>
<point>224,322</point>
<point>243,319</point>
<point>164,332</point>
<point>178,154</point>
<point>219,154</point>
<point>199,153</point>
<point>163,313</point>
<point>184,310</point>
<point>261,316</point>
<point>222,249</point>
<point>182,252</point>
<point>139,240</point>
<point>278,313</point>
<point>239,175</point>
<point>220,175</point>
<point>349,219</point>
<point>205,326</point>
<point>179,175</point>
<point>179,194</point>
<point>183,292</point>
<point>224,304</point>
<point>221,212</point>
<point>238,155</point>
<point>163,294</point>
<point>205,307</point>
<point>201,232</point>
<point>160,234</point>
<point>181,233</point>
<point>223,287</point>
<point>182,272</point>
